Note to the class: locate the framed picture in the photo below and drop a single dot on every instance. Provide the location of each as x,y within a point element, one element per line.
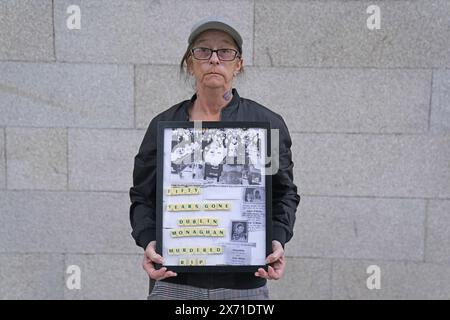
<point>214,196</point>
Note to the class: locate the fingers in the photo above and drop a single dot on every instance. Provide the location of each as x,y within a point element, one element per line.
<point>169,274</point>
<point>156,274</point>
<point>150,257</point>
<point>276,255</point>
<point>273,274</point>
<point>262,273</point>
<point>151,253</point>
<point>148,265</point>
<point>154,257</point>
<point>276,245</point>
<point>273,257</point>
<point>274,271</point>
<point>162,274</point>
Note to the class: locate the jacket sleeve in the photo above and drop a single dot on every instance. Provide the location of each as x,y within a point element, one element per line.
<point>285,198</point>
<point>143,191</point>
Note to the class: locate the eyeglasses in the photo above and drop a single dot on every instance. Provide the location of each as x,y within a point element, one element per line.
<point>222,54</point>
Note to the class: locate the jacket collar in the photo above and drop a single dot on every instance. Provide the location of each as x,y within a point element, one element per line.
<point>225,112</point>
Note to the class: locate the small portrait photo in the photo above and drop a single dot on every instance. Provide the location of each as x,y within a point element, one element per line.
<point>239,231</point>
<point>254,195</point>
<point>258,194</point>
<point>249,195</point>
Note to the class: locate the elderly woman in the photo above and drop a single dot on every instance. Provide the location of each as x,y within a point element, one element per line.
<point>213,58</point>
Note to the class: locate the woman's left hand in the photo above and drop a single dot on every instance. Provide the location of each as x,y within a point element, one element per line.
<point>276,263</point>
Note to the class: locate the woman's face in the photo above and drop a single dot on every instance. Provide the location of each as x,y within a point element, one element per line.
<point>214,73</point>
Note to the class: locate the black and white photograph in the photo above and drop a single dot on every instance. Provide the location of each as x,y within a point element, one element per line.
<point>254,195</point>
<point>239,231</point>
<point>217,156</point>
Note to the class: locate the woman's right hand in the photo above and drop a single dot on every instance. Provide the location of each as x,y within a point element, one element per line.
<point>150,256</point>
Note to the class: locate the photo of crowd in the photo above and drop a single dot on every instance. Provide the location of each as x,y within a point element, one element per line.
<point>217,156</point>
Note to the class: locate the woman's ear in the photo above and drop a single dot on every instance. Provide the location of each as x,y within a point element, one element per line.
<point>239,66</point>
<point>189,66</point>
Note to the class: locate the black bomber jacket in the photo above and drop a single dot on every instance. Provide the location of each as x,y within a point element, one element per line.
<point>285,198</point>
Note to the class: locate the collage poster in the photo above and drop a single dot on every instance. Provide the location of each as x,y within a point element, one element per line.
<point>214,208</point>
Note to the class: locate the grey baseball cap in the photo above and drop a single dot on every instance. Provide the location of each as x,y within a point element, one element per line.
<point>216,23</point>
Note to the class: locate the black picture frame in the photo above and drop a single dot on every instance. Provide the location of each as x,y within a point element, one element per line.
<point>263,247</point>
